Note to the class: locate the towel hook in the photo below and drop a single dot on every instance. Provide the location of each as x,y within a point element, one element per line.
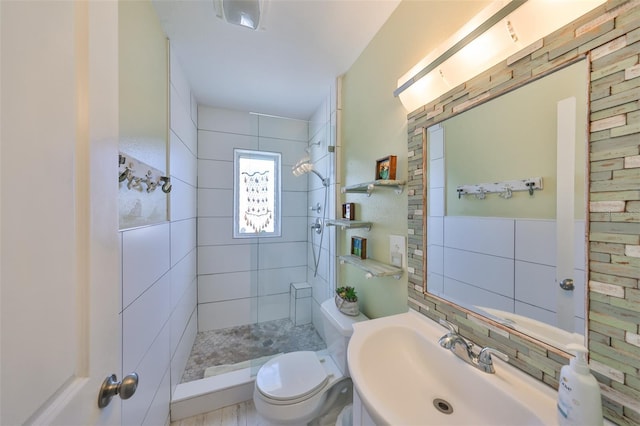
<point>530,185</point>
<point>166,188</point>
<point>507,193</point>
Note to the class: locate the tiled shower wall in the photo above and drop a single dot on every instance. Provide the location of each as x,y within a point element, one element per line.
<point>159,276</point>
<point>609,37</point>
<point>322,136</point>
<point>244,281</point>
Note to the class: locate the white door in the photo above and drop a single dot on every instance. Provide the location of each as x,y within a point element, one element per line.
<point>60,280</point>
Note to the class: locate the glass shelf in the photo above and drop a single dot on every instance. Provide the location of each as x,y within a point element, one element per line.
<point>373,268</point>
<point>369,187</point>
<point>348,224</point>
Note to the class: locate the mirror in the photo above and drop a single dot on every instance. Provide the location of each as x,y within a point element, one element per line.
<point>506,207</point>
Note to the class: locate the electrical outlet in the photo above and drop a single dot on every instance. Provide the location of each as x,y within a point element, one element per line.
<point>398,251</point>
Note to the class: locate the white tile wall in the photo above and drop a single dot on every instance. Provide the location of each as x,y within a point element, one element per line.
<point>158,409</point>
<point>227,121</point>
<point>181,123</point>
<point>291,130</point>
<point>144,319</point>
<point>151,370</point>
<point>492,236</point>
<point>145,258</point>
<point>536,241</point>
<point>273,307</point>
<point>183,237</point>
<point>216,202</point>
<point>323,129</point>
<point>183,200</point>
<point>229,313</point>
<point>435,283</point>
<point>184,164</point>
<point>220,145</point>
<point>485,257</point>
<point>224,259</point>
<point>282,255</point>
<point>229,286</point>
<point>274,281</point>
<point>215,174</point>
<point>536,285</point>
<point>159,276</point>
<point>491,273</point>
<point>469,295</point>
<point>436,202</point>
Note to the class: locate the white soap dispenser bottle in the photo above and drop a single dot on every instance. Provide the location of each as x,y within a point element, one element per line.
<point>579,401</point>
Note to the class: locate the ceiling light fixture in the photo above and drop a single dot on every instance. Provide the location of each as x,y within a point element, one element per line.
<point>245,13</point>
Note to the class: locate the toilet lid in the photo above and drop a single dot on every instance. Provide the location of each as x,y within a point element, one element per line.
<point>291,376</point>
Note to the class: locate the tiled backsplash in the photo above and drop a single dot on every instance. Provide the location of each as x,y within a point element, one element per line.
<point>609,37</point>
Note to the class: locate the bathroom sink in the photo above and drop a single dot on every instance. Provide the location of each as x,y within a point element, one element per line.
<point>403,377</point>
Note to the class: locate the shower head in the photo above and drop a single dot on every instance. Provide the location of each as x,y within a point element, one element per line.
<point>306,166</point>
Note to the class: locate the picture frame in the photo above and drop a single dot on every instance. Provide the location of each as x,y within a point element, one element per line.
<point>386,168</point>
<point>349,211</point>
<point>359,247</point>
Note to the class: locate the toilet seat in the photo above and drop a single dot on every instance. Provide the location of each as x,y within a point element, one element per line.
<point>291,377</point>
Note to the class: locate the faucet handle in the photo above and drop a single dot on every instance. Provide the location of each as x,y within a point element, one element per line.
<point>447,324</point>
<point>484,357</point>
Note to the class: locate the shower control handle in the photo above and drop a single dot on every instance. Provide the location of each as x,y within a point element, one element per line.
<point>317,226</point>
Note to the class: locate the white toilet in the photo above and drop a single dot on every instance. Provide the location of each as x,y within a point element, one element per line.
<point>296,387</point>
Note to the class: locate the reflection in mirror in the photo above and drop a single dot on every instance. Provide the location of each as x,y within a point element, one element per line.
<point>497,246</point>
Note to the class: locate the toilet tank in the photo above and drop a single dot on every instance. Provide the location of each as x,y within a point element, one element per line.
<point>338,329</point>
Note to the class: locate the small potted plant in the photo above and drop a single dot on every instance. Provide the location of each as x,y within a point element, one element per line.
<point>347,300</point>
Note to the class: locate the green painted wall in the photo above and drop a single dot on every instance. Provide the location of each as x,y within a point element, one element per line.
<point>374,125</point>
<point>514,137</point>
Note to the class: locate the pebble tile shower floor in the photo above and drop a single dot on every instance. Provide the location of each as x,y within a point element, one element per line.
<point>242,343</point>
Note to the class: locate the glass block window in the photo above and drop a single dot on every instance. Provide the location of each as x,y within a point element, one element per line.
<point>256,209</point>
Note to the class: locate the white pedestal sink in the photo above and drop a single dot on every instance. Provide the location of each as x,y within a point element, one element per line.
<point>403,377</point>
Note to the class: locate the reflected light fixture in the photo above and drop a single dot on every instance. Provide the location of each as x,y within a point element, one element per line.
<point>245,13</point>
<point>499,31</point>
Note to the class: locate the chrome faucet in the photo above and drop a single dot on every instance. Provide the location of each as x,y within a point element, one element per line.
<point>463,349</point>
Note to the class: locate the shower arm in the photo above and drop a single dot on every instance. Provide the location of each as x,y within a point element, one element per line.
<point>325,181</point>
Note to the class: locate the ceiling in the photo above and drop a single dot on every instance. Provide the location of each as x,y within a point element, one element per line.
<point>286,68</point>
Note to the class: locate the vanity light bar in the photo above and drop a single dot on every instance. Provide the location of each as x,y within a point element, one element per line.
<point>504,188</point>
<point>494,19</point>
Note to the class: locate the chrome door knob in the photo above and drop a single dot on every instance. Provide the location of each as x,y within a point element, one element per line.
<point>567,284</point>
<point>112,387</point>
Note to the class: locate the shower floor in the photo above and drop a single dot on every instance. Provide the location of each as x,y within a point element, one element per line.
<point>246,342</point>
